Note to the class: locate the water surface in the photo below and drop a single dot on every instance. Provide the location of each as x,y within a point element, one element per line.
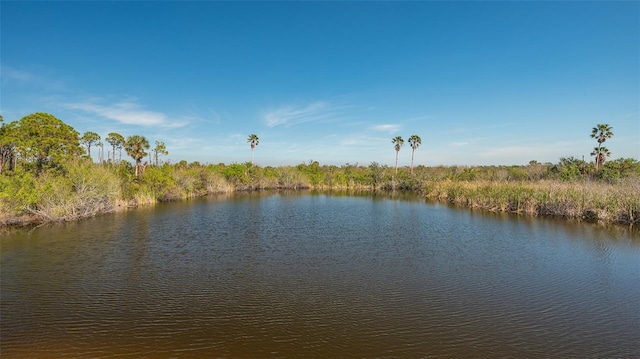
<point>317,275</point>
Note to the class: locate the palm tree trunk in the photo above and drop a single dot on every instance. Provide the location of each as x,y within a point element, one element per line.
<point>412,151</point>
<point>396,162</point>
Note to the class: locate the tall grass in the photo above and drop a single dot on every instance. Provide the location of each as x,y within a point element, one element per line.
<point>597,201</point>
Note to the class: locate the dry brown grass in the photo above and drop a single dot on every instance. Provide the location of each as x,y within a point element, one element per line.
<point>597,201</point>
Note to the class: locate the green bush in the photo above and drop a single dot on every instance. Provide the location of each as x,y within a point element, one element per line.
<point>236,174</point>
<point>17,193</point>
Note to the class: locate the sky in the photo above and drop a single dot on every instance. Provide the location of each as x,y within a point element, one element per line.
<point>481,83</point>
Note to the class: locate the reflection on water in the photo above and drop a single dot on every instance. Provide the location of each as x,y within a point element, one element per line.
<point>316,275</point>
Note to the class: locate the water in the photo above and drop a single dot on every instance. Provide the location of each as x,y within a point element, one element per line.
<point>290,274</point>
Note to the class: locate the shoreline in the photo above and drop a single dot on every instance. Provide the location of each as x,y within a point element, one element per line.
<point>463,195</point>
<point>584,202</point>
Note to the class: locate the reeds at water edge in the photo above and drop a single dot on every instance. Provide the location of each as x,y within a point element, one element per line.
<point>595,201</point>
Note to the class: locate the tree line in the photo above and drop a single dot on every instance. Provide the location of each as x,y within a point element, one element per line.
<point>46,171</point>
<point>414,141</point>
<point>40,140</point>
<point>601,133</point>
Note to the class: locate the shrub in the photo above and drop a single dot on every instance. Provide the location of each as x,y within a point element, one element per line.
<point>86,190</point>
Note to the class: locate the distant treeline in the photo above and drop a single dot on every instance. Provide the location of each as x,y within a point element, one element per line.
<point>79,188</point>
<point>54,183</point>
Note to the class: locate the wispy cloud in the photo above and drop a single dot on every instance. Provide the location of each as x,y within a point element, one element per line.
<point>391,128</point>
<point>420,118</point>
<point>179,143</point>
<point>39,78</point>
<point>208,115</point>
<point>362,140</point>
<point>11,74</point>
<point>126,112</point>
<point>294,115</point>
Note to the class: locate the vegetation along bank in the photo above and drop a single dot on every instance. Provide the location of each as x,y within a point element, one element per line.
<point>47,174</point>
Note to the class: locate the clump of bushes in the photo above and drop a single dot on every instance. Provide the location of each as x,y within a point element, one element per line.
<point>77,190</point>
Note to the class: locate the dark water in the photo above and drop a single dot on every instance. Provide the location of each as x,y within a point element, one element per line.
<point>291,275</point>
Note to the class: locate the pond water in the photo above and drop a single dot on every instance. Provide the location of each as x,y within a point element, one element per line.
<point>319,275</point>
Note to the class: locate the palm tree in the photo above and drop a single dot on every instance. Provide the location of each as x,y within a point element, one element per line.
<point>601,132</point>
<point>415,141</point>
<point>253,140</point>
<point>135,147</point>
<point>601,154</point>
<point>399,142</point>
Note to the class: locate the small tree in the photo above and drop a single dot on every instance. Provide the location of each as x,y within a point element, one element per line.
<point>601,154</point>
<point>117,142</point>
<point>160,149</point>
<point>398,143</point>
<point>601,132</point>
<point>89,139</point>
<point>100,146</point>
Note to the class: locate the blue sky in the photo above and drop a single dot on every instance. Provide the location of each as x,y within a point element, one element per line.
<point>482,83</point>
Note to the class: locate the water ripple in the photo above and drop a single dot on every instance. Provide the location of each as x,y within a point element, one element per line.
<point>317,276</point>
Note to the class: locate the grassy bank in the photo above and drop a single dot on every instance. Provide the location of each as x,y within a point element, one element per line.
<point>595,201</point>
<point>81,189</point>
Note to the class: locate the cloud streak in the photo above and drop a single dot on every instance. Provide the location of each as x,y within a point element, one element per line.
<point>11,74</point>
<point>40,79</point>
<point>288,116</point>
<point>126,112</point>
<point>391,128</point>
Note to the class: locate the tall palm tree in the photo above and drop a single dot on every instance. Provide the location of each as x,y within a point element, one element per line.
<point>601,132</point>
<point>415,141</point>
<point>398,142</point>
<point>135,147</point>
<point>253,140</point>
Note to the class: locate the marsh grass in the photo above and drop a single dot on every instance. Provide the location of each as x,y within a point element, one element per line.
<point>588,200</point>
